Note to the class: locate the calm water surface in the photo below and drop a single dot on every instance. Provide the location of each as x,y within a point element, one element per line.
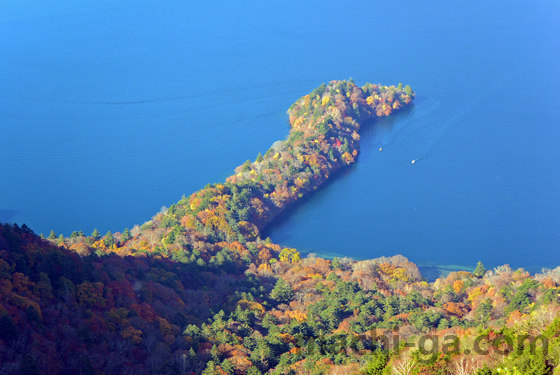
<point>111,109</point>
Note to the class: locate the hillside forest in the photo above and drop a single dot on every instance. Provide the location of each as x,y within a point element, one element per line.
<point>196,290</point>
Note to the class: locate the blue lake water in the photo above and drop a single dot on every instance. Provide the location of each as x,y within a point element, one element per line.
<point>111,109</point>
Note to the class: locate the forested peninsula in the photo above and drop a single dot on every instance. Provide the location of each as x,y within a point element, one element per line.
<point>196,290</point>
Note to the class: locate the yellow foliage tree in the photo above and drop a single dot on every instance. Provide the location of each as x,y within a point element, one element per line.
<point>288,255</point>
<point>265,269</point>
<point>132,334</point>
<point>252,306</point>
<point>458,286</point>
<point>297,315</point>
<point>348,157</point>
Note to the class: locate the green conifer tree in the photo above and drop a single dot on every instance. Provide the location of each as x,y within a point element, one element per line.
<point>408,90</point>
<point>108,239</point>
<point>96,235</point>
<point>216,355</point>
<point>332,277</point>
<point>253,371</point>
<point>211,369</point>
<point>336,265</point>
<point>376,365</point>
<point>479,270</point>
<point>126,235</point>
<point>228,367</point>
<point>282,292</point>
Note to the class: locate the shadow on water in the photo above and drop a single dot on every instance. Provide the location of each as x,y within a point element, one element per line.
<point>286,215</point>
<point>380,132</point>
<point>387,128</point>
<point>6,216</point>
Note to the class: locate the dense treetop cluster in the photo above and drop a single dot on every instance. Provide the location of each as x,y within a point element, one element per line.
<point>61,313</point>
<point>323,138</point>
<point>196,290</point>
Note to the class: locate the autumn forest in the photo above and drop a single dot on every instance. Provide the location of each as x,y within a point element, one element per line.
<point>197,290</point>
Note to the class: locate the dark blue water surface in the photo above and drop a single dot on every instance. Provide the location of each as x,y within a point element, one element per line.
<point>111,109</point>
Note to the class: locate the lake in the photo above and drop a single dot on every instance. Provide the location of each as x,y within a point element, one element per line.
<point>111,109</point>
